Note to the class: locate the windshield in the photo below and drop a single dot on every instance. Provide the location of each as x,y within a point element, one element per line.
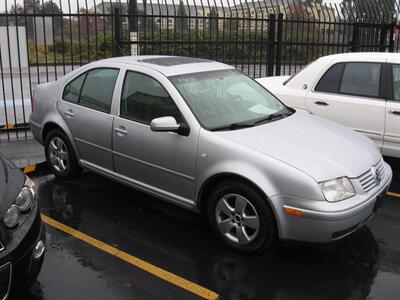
<point>224,98</point>
<point>297,73</point>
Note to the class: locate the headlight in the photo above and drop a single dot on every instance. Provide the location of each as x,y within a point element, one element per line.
<point>23,203</point>
<point>12,217</point>
<point>24,199</point>
<point>337,189</point>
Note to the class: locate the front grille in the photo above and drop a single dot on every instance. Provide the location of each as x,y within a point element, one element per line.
<point>372,178</point>
<point>5,280</point>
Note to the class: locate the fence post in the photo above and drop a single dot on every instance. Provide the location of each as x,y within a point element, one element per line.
<point>271,45</point>
<point>279,45</point>
<point>393,28</point>
<point>117,33</point>
<point>355,47</point>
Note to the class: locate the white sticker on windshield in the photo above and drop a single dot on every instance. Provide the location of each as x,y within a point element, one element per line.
<point>261,109</point>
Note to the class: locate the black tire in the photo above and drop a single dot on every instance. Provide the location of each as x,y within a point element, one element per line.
<point>264,237</point>
<point>72,168</point>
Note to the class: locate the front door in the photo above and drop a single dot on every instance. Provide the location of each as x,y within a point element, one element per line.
<point>85,106</point>
<point>163,162</point>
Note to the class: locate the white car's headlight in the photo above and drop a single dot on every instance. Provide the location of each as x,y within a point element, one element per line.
<point>337,189</point>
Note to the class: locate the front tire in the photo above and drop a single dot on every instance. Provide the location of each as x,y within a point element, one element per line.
<point>61,156</point>
<point>241,217</point>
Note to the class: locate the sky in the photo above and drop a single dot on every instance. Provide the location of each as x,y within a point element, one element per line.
<point>91,3</point>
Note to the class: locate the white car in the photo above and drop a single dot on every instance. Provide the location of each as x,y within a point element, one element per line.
<point>358,90</point>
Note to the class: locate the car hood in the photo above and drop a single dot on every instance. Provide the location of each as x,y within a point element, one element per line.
<point>11,182</point>
<point>320,148</point>
<point>272,83</point>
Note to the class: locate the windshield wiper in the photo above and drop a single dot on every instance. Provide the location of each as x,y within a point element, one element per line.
<point>253,123</point>
<point>235,126</point>
<point>273,117</point>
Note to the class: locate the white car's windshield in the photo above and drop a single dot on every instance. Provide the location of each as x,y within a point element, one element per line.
<point>228,99</point>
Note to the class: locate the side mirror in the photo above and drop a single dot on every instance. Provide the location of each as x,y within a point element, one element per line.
<point>164,124</point>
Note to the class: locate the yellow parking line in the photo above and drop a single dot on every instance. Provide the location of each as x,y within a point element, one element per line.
<point>393,194</point>
<point>29,169</point>
<point>9,126</point>
<point>137,262</point>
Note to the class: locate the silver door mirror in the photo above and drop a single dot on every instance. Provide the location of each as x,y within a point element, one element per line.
<point>164,124</point>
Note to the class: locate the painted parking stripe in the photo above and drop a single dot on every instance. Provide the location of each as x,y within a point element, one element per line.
<point>393,194</point>
<point>137,262</point>
<point>29,169</point>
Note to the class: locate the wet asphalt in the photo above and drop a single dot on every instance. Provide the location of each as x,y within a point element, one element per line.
<point>364,265</point>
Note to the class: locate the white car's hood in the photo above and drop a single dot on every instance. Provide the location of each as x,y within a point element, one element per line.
<point>320,148</point>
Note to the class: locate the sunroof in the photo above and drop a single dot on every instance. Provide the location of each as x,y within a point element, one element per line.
<point>172,61</point>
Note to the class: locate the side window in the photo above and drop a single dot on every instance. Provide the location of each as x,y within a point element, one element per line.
<point>330,81</point>
<point>98,89</point>
<point>396,82</point>
<point>144,99</point>
<point>361,79</point>
<point>72,90</point>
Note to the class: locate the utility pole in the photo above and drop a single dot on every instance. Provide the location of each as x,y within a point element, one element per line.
<point>133,26</point>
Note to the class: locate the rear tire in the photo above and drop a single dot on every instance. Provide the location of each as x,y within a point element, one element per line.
<point>241,217</point>
<point>60,155</point>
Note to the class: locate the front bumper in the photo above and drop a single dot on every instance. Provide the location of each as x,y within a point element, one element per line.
<point>322,221</point>
<point>17,265</point>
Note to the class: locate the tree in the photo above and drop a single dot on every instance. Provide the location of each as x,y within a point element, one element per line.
<point>52,8</point>
<point>182,22</point>
<point>32,5</point>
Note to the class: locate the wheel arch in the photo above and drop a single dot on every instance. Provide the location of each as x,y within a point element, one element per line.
<point>216,179</point>
<point>51,125</point>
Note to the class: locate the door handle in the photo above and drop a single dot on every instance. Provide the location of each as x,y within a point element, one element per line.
<point>322,103</point>
<point>394,112</point>
<point>121,131</point>
<point>69,113</point>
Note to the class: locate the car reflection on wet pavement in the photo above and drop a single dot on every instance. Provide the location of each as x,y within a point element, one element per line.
<point>366,264</point>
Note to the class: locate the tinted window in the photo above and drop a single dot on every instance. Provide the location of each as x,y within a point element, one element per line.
<point>72,90</point>
<point>330,81</point>
<point>396,82</point>
<point>144,99</point>
<point>98,89</point>
<point>361,79</point>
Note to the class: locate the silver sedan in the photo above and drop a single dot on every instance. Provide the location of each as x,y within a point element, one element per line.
<point>204,136</point>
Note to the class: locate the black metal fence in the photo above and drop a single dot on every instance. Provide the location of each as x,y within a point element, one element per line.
<point>41,40</point>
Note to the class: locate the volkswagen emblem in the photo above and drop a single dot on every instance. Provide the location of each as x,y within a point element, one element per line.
<point>376,174</point>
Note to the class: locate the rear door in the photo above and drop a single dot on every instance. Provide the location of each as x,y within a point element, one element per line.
<point>350,94</point>
<point>391,145</point>
<point>85,106</point>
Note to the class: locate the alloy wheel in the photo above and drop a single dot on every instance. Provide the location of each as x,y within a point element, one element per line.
<point>58,154</point>
<point>237,218</point>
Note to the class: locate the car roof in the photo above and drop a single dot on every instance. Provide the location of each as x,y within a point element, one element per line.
<point>366,56</point>
<point>170,65</point>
